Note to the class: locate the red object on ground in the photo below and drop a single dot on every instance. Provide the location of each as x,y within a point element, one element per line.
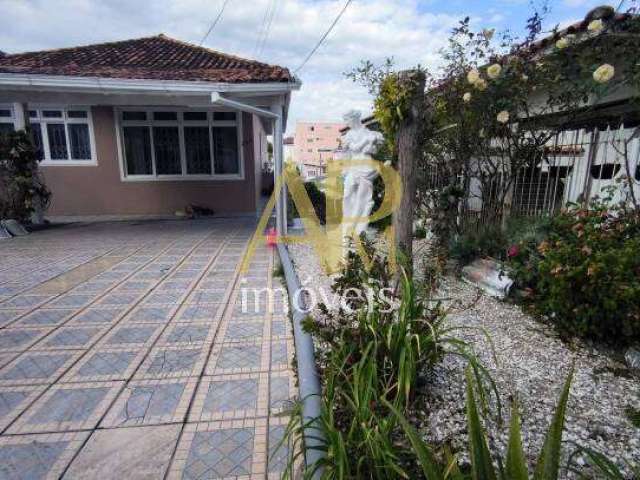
<point>513,251</point>
<point>272,237</point>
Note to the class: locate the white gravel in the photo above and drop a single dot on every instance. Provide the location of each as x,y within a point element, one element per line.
<point>532,363</point>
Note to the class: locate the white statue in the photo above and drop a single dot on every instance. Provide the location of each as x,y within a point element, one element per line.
<point>359,143</point>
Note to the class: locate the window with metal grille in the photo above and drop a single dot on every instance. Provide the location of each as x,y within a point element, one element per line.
<point>37,141</point>
<point>166,145</point>
<point>57,141</point>
<point>6,121</point>
<point>181,144</point>
<point>62,136</point>
<point>225,149</point>
<point>198,150</point>
<point>137,150</point>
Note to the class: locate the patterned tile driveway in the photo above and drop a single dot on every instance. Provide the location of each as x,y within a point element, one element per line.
<point>137,350</point>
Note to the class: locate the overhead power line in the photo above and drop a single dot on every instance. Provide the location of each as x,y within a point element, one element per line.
<point>215,22</point>
<point>271,5</point>
<point>268,29</point>
<point>322,39</point>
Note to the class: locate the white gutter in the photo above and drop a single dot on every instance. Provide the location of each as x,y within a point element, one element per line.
<point>227,102</point>
<point>117,85</point>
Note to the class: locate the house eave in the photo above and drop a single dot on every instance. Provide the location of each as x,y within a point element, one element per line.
<point>123,86</point>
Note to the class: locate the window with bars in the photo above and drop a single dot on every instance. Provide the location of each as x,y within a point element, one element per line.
<point>62,136</point>
<point>159,144</point>
<point>6,121</point>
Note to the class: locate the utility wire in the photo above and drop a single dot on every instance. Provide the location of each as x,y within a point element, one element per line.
<point>268,29</point>
<point>337,19</point>
<point>215,22</point>
<point>263,27</point>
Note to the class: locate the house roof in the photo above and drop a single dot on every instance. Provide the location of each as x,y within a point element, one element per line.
<point>150,58</point>
<point>605,13</point>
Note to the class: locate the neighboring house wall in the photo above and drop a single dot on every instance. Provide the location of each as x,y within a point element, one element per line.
<point>99,190</point>
<point>578,165</point>
<point>315,143</point>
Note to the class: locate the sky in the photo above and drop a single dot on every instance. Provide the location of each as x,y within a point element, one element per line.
<point>280,32</point>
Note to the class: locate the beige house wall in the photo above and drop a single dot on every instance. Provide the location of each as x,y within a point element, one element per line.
<point>99,190</point>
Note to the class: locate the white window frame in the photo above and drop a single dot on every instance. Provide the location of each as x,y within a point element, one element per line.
<point>47,161</point>
<point>180,123</point>
<point>12,118</point>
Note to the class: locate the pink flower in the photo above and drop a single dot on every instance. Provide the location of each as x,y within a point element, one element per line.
<point>513,251</point>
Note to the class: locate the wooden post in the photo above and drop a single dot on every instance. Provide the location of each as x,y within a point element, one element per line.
<point>409,146</point>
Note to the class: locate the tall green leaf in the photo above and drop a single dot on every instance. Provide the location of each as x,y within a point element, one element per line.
<point>548,464</point>
<point>481,465</point>
<point>426,458</point>
<point>516,461</point>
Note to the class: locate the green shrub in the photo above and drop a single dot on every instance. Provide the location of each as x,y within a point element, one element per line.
<point>21,188</point>
<point>318,200</point>
<point>421,232</point>
<point>585,275</point>
<point>483,242</point>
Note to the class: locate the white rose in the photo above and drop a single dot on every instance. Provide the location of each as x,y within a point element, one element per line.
<point>503,116</point>
<point>595,26</point>
<point>473,76</point>
<point>466,98</point>
<point>604,73</point>
<point>481,84</point>
<point>494,71</point>
<point>525,78</point>
<point>562,43</point>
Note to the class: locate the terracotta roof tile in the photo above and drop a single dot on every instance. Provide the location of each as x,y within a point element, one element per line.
<point>150,58</point>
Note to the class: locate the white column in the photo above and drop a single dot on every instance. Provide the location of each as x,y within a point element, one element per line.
<point>21,115</point>
<point>281,200</point>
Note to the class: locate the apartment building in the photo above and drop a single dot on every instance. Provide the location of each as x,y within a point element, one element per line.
<point>315,143</point>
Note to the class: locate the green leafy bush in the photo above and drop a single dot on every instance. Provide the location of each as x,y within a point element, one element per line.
<point>318,200</point>
<point>21,188</point>
<point>483,242</point>
<point>585,275</point>
<point>493,241</point>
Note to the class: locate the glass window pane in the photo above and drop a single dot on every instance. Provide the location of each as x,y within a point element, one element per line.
<point>196,143</point>
<point>165,116</point>
<point>5,112</point>
<point>37,141</point>
<point>77,114</point>
<point>52,113</point>
<point>134,116</point>
<point>195,116</point>
<point>33,113</point>
<point>137,150</point>
<point>57,141</point>
<point>166,144</point>
<point>6,128</point>
<point>79,140</point>
<point>225,150</point>
<point>224,116</point>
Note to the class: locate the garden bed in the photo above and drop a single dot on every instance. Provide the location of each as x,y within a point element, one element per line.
<point>532,362</point>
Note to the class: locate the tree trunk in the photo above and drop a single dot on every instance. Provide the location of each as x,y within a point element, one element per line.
<point>409,148</point>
